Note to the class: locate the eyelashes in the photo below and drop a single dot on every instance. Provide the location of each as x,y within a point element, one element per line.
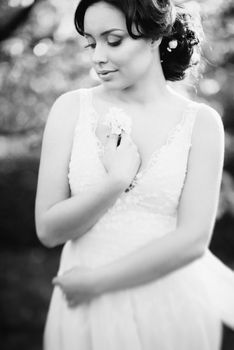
<point>89,45</point>
<point>112,44</point>
<point>115,43</point>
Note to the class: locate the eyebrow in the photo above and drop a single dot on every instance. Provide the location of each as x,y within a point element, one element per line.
<point>106,32</point>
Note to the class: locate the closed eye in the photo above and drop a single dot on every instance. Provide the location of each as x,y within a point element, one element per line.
<point>90,45</point>
<point>115,43</point>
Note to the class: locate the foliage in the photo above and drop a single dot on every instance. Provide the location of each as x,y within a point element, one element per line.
<point>44,58</point>
<point>41,57</point>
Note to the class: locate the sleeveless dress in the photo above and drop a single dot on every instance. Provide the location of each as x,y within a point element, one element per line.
<point>183,310</point>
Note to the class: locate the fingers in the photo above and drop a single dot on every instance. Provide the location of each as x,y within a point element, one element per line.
<point>73,300</point>
<point>71,303</point>
<point>57,281</point>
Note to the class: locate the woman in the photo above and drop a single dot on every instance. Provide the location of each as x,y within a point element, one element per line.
<point>129,180</point>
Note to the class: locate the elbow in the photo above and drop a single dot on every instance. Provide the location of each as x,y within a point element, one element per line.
<point>195,243</point>
<point>46,241</point>
<point>45,235</point>
<point>199,245</point>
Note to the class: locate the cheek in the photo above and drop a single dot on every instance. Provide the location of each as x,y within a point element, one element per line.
<point>132,58</point>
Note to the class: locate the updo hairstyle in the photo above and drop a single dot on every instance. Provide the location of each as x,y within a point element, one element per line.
<point>154,19</point>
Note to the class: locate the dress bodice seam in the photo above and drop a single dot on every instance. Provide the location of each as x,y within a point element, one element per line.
<point>87,124</point>
<point>93,117</point>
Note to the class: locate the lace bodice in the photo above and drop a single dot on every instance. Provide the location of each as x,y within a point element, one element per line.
<point>149,209</point>
<point>158,187</point>
<point>199,295</point>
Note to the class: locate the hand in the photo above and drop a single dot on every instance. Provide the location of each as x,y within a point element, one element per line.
<point>121,162</point>
<point>77,284</point>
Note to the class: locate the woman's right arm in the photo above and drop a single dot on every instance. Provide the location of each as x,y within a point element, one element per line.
<point>58,216</point>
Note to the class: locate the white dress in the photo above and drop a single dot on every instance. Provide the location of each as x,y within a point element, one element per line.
<point>183,310</point>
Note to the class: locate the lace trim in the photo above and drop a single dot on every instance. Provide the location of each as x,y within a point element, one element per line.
<point>188,115</point>
<point>94,117</point>
<point>78,126</point>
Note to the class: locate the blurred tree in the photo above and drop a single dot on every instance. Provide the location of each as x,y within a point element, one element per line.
<point>41,60</point>
<point>12,14</point>
<point>41,57</point>
<point>44,58</point>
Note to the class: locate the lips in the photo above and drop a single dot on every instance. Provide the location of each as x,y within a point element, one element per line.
<point>103,72</point>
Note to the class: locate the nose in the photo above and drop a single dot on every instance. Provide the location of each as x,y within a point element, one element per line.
<point>99,54</point>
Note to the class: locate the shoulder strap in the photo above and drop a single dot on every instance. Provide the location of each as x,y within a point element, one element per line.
<point>84,99</point>
<point>191,118</point>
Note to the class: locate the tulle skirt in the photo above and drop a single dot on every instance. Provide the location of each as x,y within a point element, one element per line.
<point>182,311</point>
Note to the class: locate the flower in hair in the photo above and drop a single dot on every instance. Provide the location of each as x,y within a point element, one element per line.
<point>172,45</point>
<point>118,121</point>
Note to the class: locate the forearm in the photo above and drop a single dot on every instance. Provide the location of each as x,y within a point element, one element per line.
<point>74,216</point>
<point>148,263</point>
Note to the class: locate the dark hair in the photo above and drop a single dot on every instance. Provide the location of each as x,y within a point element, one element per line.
<point>154,19</point>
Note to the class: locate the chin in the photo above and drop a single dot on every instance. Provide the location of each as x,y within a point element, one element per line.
<point>113,85</point>
<point>118,85</point>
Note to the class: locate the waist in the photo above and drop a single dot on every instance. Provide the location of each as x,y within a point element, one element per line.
<point>108,240</point>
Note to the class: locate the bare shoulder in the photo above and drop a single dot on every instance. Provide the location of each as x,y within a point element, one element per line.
<point>63,116</point>
<point>208,121</point>
<point>208,126</point>
<point>66,107</point>
<point>56,150</point>
<point>208,141</point>
<point>208,117</point>
<point>59,129</point>
<point>69,96</point>
<point>203,179</point>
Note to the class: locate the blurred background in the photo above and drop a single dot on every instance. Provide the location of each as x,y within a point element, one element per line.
<point>41,57</point>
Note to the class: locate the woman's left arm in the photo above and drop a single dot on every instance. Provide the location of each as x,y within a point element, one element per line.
<point>196,215</point>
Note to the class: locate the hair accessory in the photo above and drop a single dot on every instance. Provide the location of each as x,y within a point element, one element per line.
<point>194,41</point>
<point>172,45</point>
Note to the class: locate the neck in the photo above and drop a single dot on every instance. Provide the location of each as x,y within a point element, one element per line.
<point>151,87</point>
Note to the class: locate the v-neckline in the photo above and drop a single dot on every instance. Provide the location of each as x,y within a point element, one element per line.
<point>157,152</point>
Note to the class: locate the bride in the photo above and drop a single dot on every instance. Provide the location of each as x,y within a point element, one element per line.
<point>129,182</point>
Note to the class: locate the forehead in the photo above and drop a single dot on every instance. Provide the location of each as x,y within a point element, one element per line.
<point>101,17</point>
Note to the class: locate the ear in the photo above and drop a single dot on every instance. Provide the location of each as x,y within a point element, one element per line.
<point>155,43</point>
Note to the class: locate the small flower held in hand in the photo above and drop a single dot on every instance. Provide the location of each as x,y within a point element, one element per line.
<point>118,121</point>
